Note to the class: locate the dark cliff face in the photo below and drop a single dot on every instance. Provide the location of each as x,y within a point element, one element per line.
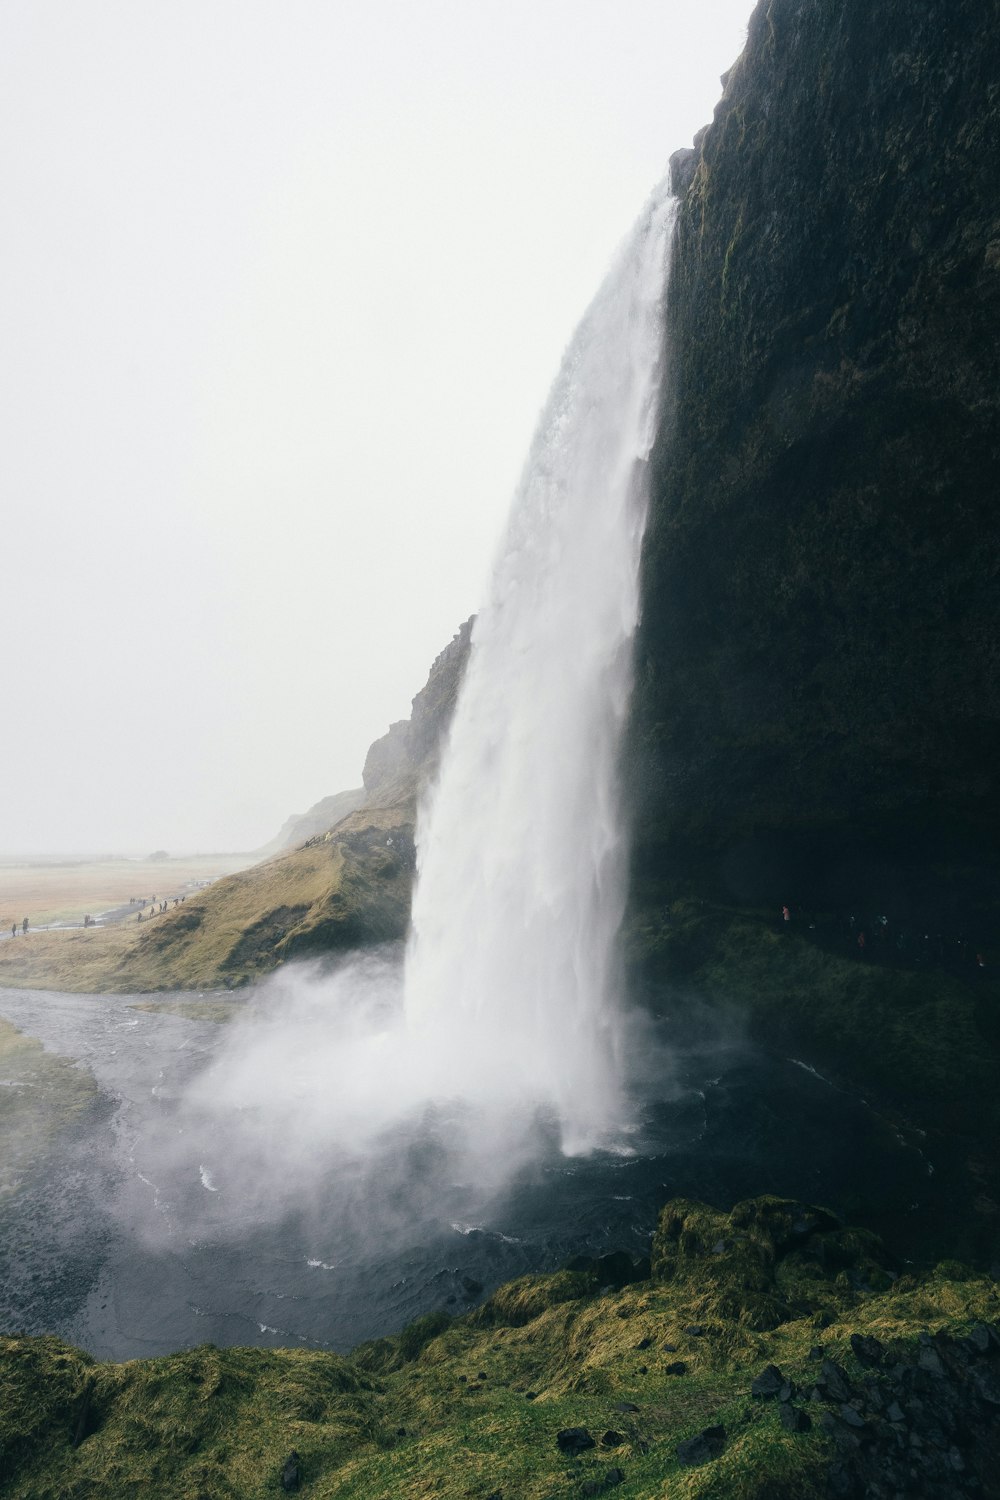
<point>818,695</point>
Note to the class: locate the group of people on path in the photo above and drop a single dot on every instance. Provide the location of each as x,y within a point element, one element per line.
<point>24,927</point>
<point>154,905</point>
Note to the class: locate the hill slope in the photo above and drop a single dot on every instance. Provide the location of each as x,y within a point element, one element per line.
<point>344,888</point>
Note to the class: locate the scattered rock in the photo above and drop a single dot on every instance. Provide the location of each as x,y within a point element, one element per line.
<point>670,1348</point>
<point>835,1381</point>
<point>702,1447</point>
<point>694,1330</point>
<point>612,1439</point>
<point>768,1383</point>
<point>817,1352</point>
<point>291,1474</point>
<point>626,1406</point>
<point>678,1367</point>
<point>613,1477</point>
<point>979,1338</point>
<point>794,1419</point>
<point>851,1415</point>
<point>644,1344</point>
<point>574,1440</point>
<point>867,1350</point>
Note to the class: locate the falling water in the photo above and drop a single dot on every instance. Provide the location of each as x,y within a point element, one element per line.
<point>512,961</point>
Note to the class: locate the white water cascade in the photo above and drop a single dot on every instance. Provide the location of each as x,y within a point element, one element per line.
<point>512,962</point>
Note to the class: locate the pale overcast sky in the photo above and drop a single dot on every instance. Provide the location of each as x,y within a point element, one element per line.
<point>283,285</point>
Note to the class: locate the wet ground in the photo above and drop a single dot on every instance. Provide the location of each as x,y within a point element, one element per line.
<point>128,1249</point>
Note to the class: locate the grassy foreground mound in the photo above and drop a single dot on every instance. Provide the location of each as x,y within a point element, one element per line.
<point>771,1354</point>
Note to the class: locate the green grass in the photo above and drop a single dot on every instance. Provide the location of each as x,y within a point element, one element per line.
<point>443,1410</point>
<point>40,1097</point>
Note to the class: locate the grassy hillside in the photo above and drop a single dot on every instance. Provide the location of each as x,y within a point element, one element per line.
<point>341,890</point>
<point>559,1386</point>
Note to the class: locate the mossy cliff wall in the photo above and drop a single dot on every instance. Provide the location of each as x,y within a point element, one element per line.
<point>818,697</point>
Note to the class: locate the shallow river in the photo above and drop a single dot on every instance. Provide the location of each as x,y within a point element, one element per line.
<point>128,1250</point>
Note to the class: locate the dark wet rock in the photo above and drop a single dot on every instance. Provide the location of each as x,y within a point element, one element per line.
<point>694,1330</point>
<point>794,1419</point>
<point>676,1367</point>
<point>611,1271</point>
<point>987,1386</point>
<point>646,1343</point>
<point>817,1352</point>
<point>291,1473</point>
<point>670,1348</point>
<point>614,1476</point>
<point>401,1432</point>
<point>787,1391</point>
<point>768,1383</point>
<point>612,1439</point>
<point>702,1447</point>
<point>626,1406</point>
<point>531,1395</point>
<point>921,1423</point>
<point>982,1339</point>
<point>682,169</point>
<point>834,1381</point>
<point>867,1350</point>
<point>574,1440</point>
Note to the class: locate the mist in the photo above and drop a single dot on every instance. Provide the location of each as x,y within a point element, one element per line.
<point>283,293</point>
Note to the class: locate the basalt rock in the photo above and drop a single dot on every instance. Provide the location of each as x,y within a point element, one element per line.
<point>817,696</point>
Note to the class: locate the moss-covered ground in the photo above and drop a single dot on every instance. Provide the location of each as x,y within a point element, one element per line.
<point>918,1034</point>
<point>472,1407</point>
<point>40,1096</point>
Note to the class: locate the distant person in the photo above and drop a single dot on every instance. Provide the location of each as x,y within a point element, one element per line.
<point>139,917</point>
<point>24,925</point>
<point>786,914</point>
<point>13,930</point>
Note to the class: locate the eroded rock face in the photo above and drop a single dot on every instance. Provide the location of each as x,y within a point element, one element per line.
<point>818,700</point>
<point>399,764</point>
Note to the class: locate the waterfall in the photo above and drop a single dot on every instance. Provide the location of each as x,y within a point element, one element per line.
<point>512,965</point>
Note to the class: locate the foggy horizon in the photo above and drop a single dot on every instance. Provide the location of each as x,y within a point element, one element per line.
<point>284,296</point>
